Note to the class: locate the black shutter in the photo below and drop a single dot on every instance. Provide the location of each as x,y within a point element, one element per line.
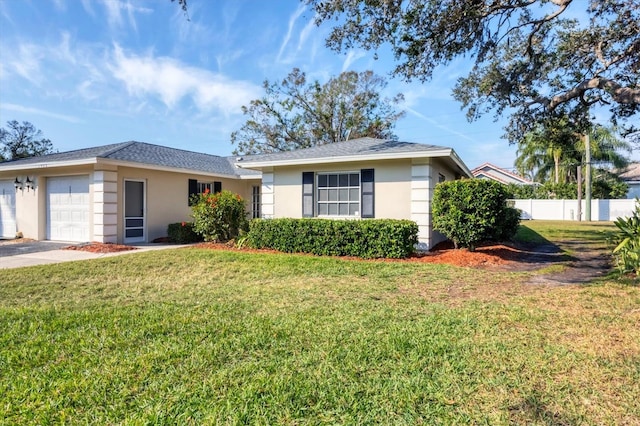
<point>307,194</point>
<point>366,193</point>
<point>217,187</point>
<point>193,189</point>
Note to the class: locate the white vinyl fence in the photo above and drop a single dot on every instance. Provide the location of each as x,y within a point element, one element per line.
<point>601,210</point>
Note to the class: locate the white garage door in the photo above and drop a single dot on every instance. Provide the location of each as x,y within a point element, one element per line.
<point>68,208</point>
<point>7,209</point>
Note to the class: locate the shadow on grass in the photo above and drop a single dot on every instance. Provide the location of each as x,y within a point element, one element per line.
<point>537,249</point>
<point>534,409</point>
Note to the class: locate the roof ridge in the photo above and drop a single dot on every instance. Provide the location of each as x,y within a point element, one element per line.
<point>119,147</point>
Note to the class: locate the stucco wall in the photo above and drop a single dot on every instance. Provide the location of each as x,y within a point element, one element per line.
<point>167,197</point>
<point>403,190</point>
<point>31,205</point>
<point>392,187</point>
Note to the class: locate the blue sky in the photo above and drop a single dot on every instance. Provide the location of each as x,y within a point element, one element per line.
<point>95,72</point>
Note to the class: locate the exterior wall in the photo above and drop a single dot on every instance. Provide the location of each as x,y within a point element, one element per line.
<point>31,205</point>
<point>634,189</point>
<point>392,187</point>
<point>403,190</point>
<point>167,197</point>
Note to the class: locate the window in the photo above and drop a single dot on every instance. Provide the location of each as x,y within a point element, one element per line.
<point>338,194</point>
<point>255,202</point>
<point>345,194</point>
<point>196,187</point>
<point>213,187</point>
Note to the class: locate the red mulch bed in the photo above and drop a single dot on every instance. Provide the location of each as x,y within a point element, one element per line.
<point>101,247</point>
<point>485,256</point>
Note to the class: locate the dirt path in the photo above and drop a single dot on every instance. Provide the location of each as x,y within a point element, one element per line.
<point>582,266</point>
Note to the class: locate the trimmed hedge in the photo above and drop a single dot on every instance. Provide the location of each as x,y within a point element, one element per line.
<point>471,211</point>
<point>371,238</point>
<point>182,233</point>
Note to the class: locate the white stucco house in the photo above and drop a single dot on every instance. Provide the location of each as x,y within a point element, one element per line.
<point>129,192</point>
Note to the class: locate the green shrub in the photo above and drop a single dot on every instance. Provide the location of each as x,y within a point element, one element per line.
<point>473,210</point>
<point>627,251</point>
<point>374,238</point>
<point>218,217</point>
<point>182,233</point>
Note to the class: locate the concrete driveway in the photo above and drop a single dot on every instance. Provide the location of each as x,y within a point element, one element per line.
<point>16,254</point>
<point>17,247</point>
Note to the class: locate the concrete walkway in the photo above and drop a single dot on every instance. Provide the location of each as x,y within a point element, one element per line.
<point>31,257</point>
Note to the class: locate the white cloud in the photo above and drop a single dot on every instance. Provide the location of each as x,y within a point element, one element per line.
<point>173,81</point>
<point>26,63</point>
<point>114,9</point>
<point>352,56</point>
<point>29,110</point>
<point>60,4</point>
<point>292,21</point>
<point>88,7</point>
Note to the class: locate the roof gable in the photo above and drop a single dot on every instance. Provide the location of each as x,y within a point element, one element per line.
<point>490,171</point>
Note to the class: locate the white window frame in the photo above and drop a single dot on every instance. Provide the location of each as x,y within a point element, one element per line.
<point>349,187</point>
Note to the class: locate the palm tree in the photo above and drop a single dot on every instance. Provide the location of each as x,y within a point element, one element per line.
<point>552,152</point>
<point>547,153</point>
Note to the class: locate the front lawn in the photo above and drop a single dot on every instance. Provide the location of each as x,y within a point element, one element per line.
<point>207,336</point>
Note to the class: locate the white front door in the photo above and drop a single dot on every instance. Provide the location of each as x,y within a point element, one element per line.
<point>134,211</point>
<point>7,209</point>
<point>68,208</point>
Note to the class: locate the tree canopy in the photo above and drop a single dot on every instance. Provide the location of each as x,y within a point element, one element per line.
<point>299,114</point>
<point>551,153</point>
<point>532,58</point>
<point>22,140</point>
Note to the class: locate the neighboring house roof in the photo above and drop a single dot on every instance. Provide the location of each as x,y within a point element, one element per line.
<point>631,173</point>
<point>360,149</point>
<point>489,171</point>
<point>139,153</point>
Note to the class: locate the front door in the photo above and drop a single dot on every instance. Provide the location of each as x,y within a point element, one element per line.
<point>134,211</point>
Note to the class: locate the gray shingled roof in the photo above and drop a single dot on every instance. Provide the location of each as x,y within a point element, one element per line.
<point>353,147</point>
<point>145,153</point>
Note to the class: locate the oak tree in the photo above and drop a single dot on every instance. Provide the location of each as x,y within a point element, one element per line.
<point>22,140</point>
<point>297,114</point>
<point>532,59</point>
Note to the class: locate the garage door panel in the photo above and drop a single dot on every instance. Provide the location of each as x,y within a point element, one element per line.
<point>68,208</point>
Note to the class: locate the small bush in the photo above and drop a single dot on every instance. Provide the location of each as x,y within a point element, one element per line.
<point>218,217</point>
<point>182,233</point>
<point>627,251</point>
<point>375,238</point>
<point>473,210</point>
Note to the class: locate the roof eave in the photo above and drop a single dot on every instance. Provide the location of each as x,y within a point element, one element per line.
<point>49,164</point>
<point>354,158</point>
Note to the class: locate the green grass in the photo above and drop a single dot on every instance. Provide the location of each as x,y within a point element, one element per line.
<point>203,336</point>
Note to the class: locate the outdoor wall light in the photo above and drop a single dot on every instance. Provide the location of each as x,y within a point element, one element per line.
<point>21,185</point>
